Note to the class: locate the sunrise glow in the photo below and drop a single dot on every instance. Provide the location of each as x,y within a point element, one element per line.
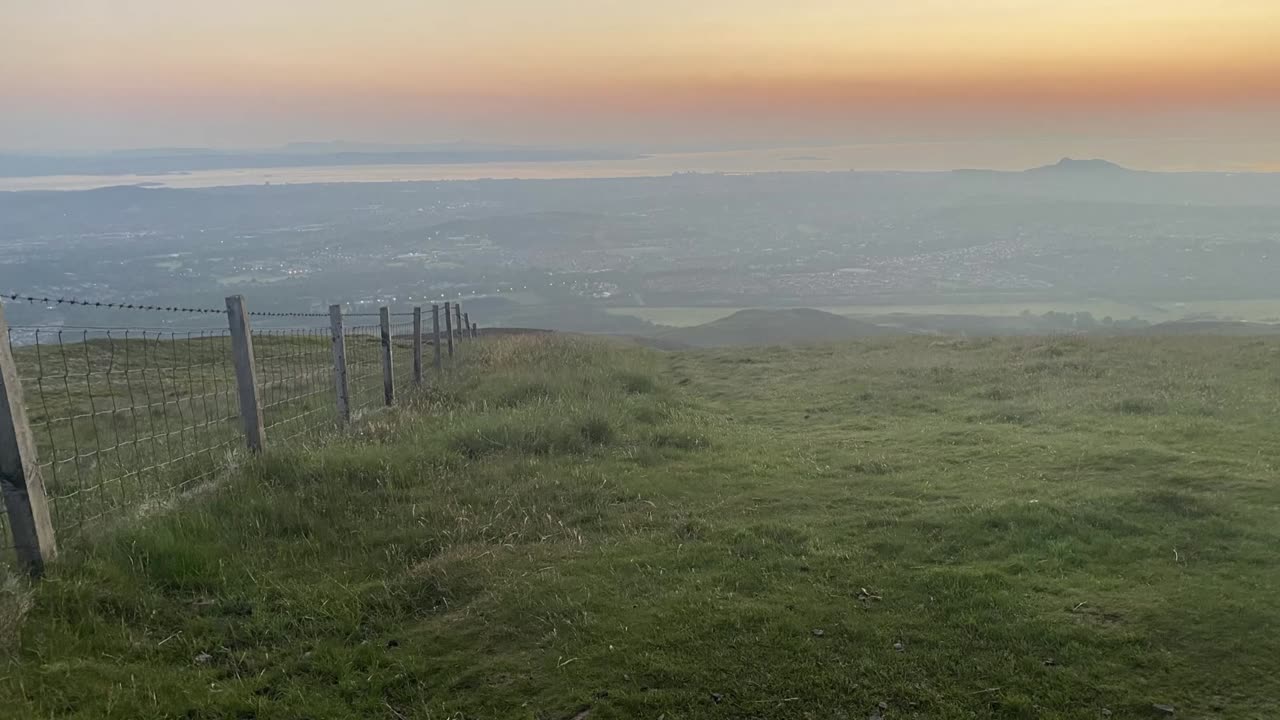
<point>100,73</point>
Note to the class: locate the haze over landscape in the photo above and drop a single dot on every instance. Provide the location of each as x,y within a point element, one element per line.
<point>963,251</point>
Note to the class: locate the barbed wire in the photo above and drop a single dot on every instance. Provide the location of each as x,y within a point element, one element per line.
<point>107,328</point>
<point>289,314</point>
<point>48,300</point>
<point>32,299</point>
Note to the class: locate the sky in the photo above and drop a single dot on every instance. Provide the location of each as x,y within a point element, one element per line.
<point>643,74</point>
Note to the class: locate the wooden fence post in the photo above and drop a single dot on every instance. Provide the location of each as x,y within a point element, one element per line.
<point>343,390</point>
<point>448,328</point>
<point>435,331</point>
<point>475,331</point>
<point>255,434</point>
<point>457,318</point>
<point>417,345</point>
<point>466,325</point>
<point>20,479</point>
<point>388,380</point>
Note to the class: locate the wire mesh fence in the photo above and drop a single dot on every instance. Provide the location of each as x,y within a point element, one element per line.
<point>402,354</point>
<point>364,366</point>
<point>295,381</point>
<point>122,419</point>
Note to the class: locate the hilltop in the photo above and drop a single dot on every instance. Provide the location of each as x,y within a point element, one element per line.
<point>567,528</point>
<point>1071,165</point>
<point>759,328</point>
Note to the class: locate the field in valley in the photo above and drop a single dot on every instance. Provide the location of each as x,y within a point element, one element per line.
<point>1260,310</point>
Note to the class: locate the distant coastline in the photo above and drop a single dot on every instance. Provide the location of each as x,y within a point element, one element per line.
<point>192,168</point>
<point>169,162</point>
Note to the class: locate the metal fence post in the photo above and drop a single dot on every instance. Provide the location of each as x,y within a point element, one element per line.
<point>246,373</point>
<point>20,479</point>
<point>435,332</point>
<point>342,388</point>
<point>388,379</point>
<point>417,345</point>
<point>448,328</point>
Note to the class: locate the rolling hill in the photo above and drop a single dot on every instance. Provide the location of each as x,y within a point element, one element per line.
<point>774,327</point>
<point>1211,327</point>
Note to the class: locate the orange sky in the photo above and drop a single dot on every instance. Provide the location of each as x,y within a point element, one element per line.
<point>82,73</point>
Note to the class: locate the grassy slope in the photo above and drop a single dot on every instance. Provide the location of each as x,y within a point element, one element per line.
<point>1029,528</point>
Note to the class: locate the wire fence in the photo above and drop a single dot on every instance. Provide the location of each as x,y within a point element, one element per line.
<point>124,419</point>
<point>364,366</point>
<point>402,353</point>
<point>121,417</point>
<point>295,381</point>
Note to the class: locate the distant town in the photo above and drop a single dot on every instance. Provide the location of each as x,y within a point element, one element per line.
<point>607,255</point>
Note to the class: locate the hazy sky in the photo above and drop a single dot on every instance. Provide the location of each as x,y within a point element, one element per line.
<point>129,73</point>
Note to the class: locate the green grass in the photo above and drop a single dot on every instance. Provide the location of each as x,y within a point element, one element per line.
<point>956,529</point>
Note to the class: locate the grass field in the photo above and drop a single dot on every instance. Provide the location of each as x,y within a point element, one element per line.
<point>1261,310</point>
<point>904,528</point>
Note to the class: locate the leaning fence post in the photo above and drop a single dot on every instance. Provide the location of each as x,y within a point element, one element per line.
<point>246,373</point>
<point>465,327</point>
<point>435,331</point>
<point>417,345</point>
<point>343,389</point>
<point>20,479</point>
<point>448,328</point>
<point>388,380</point>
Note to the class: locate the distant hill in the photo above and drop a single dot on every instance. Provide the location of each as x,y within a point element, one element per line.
<point>1071,165</point>
<point>773,327</point>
